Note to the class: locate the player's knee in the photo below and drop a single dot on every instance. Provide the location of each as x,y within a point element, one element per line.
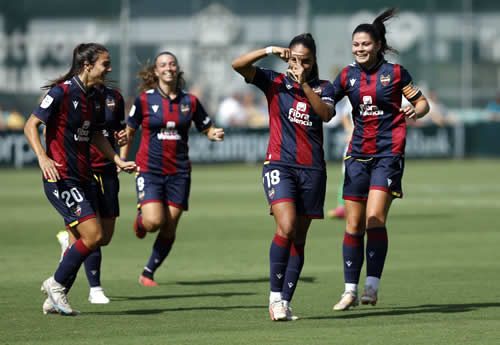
<point>375,221</point>
<point>153,223</point>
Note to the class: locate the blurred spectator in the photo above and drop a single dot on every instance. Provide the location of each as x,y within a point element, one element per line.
<point>15,120</point>
<point>493,109</point>
<point>438,114</point>
<point>3,119</point>
<point>231,112</point>
<point>257,115</point>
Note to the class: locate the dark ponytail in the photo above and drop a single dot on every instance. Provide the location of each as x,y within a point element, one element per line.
<point>307,41</point>
<point>377,31</point>
<point>84,52</point>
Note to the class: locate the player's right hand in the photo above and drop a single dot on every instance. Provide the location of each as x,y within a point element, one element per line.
<point>283,53</point>
<point>49,168</point>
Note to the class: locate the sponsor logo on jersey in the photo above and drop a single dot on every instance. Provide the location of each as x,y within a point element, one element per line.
<point>385,79</point>
<point>299,115</point>
<point>82,133</point>
<point>368,109</point>
<point>389,182</point>
<point>47,101</point>
<point>155,107</point>
<point>75,104</point>
<point>352,81</point>
<point>110,103</point>
<point>56,193</point>
<point>185,108</point>
<point>169,133</point>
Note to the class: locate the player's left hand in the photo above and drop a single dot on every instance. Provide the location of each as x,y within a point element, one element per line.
<point>121,137</point>
<point>409,112</point>
<point>217,134</point>
<point>296,70</point>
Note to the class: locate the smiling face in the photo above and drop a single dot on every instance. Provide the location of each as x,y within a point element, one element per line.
<point>98,71</point>
<point>166,69</point>
<point>302,55</point>
<point>365,49</point>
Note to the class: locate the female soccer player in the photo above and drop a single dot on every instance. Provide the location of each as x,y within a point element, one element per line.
<point>111,111</point>
<point>375,158</point>
<point>163,179</point>
<point>294,174</point>
<point>68,111</point>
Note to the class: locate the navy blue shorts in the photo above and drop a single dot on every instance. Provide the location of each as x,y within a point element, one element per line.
<point>170,189</point>
<point>107,186</point>
<point>382,173</point>
<point>74,202</point>
<point>305,187</point>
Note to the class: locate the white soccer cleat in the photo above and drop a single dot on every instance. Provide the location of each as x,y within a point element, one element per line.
<point>349,299</point>
<point>56,296</point>
<point>277,311</point>
<point>97,296</point>
<point>63,238</point>
<point>48,308</point>
<point>369,296</point>
<point>289,314</point>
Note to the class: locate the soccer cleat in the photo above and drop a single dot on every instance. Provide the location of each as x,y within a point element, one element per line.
<point>289,314</point>
<point>96,296</point>
<point>277,311</point>
<point>349,299</point>
<point>145,281</point>
<point>57,296</point>
<point>48,308</point>
<point>139,231</point>
<point>369,296</point>
<point>63,238</point>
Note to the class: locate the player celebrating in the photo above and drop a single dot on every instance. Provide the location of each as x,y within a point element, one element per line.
<point>374,161</point>
<point>105,181</point>
<point>163,178</point>
<point>68,111</point>
<point>294,174</point>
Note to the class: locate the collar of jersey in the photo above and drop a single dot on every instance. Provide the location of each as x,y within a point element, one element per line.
<point>163,94</point>
<point>79,83</point>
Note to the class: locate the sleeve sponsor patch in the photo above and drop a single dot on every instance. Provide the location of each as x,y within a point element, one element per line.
<point>132,111</point>
<point>47,101</point>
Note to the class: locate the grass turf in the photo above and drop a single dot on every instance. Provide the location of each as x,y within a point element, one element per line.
<point>440,283</point>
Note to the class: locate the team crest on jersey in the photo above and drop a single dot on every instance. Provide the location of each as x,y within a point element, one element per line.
<point>385,79</point>
<point>110,103</point>
<point>185,108</point>
<point>317,90</point>
<point>271,193</point>
<point>77,210</point>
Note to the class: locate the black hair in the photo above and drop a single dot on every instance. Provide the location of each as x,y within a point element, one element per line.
<point>307,41</point>
<point>84,52</point>
<point>377,31</point>
<point>149,80</point>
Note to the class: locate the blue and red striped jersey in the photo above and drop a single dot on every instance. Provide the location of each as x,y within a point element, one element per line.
<point>68,112</point>
<point>165,126</point>
<point>296,131</point>
<point>375,96</point>
<point>110,114</point>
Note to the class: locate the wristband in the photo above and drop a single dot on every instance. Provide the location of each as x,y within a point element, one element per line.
<point>269,50</point>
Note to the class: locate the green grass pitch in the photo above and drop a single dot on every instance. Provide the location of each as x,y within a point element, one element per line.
<point>441,283</point>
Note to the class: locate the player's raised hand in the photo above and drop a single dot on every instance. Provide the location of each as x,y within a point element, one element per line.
<point>49,168</point>
<point>296,69</point>
<point>283,53</point>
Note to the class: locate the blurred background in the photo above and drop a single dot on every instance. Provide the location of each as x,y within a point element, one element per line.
<point>451,48</point>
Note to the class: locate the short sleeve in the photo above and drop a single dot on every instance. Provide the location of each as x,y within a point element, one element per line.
<point>200,117</point>
<point>135,114</point>
<point>264,78</point>
<point>50,104</point>
<point>327,93</point>
<point>410,91</point>
<point>119,112</point>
